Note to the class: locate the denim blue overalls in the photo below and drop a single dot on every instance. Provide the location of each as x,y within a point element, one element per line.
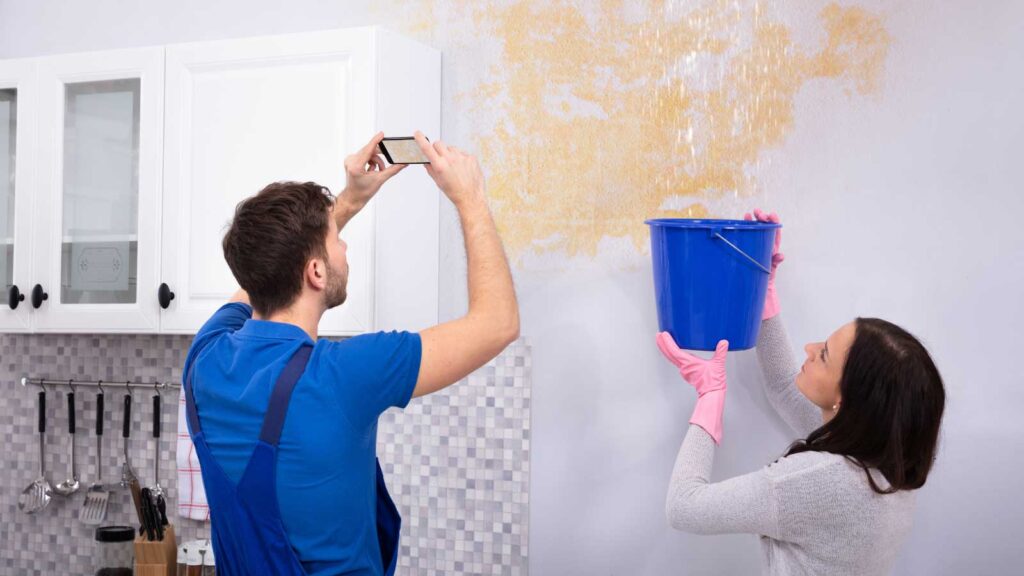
<point>247,532</point>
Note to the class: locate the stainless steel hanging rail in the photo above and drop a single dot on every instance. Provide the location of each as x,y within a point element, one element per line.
<point>109,384</point>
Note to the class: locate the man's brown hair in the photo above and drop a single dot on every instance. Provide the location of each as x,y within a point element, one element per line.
<point>272,237</point>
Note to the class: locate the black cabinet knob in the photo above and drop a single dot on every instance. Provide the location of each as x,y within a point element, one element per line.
<point>165,295</point>
<point>14,296</point>
<point>38,295</point>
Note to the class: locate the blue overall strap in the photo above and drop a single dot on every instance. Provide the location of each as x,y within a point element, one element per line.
<point>277,409</point>
<point>246,527</point>
<point>190,405</point>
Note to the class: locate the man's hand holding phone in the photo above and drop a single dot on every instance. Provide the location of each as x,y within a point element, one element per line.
<point>365,173</point>
<point>456,173</point>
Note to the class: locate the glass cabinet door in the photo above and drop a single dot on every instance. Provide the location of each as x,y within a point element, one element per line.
<point>8,162</point>
<point>99,240</point>
<point>101,153</point>
<point>17,100</point>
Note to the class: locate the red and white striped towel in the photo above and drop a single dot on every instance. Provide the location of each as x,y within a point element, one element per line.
<point>191,494</point>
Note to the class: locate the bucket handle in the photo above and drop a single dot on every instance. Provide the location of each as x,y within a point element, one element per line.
<point>736,248</point>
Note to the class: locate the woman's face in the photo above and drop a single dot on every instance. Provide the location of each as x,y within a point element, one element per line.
<point>821,372</point>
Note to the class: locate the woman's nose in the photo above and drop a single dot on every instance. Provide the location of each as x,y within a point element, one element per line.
<point>809,349</point>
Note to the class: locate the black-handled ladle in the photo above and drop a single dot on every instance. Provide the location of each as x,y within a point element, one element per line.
<point>71,485</point>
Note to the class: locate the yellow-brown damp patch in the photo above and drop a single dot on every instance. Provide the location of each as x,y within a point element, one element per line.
<point>602,112</point>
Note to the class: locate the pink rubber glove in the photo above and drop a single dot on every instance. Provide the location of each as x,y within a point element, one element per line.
<point>771,298</point>
<point>707,376</point>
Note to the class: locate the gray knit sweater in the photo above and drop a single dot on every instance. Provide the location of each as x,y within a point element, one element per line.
<point>815,512</point>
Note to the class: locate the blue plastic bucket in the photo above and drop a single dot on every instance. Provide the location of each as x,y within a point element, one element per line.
<point>710,279</point>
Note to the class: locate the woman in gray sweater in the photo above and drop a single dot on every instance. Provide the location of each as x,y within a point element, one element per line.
<point>867,403</point>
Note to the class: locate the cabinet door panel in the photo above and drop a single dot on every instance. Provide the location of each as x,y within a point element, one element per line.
<point>240,115</point>
<point>17,100</point>
<point>101,141</point>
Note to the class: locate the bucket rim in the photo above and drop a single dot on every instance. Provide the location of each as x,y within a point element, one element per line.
<point>710,223</point>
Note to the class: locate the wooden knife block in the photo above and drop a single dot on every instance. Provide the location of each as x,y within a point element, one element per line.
<point>157,558</point>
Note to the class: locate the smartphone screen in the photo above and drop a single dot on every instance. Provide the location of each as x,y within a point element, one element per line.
<point>403,150</point>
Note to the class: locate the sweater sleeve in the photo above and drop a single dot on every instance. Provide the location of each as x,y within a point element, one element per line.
<point>779,367</point>
<point>744,504</point>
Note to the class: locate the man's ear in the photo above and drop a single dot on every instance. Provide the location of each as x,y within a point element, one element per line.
<point>316,273</point>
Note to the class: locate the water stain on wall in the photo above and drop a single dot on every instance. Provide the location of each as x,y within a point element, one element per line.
<point>605,113</point>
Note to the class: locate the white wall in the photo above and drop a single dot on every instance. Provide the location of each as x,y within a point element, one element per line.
<point>903,205</point>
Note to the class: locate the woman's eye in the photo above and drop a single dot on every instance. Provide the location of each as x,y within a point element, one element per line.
<point>822,354</point>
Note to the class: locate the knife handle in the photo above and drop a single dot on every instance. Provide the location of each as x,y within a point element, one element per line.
<point>154,519</point>
<point>161,505</point>
<point>145,516</point>
<point>159,529</point>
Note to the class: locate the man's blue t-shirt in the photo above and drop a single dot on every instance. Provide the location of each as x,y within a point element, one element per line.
<point>326,465</point>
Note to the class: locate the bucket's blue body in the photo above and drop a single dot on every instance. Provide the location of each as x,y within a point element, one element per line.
<point>707,290</point>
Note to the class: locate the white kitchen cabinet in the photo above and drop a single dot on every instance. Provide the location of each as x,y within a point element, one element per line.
<point>120,170</point>
<point>241,114</point>
<point>17,102</point>
<point>97,210</point>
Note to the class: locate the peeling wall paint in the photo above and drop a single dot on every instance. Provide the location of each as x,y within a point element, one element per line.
<point>595,116</point>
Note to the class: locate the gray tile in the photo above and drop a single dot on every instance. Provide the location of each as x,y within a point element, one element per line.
<point>457,462</point>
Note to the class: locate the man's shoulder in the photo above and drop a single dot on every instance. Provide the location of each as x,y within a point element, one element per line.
<point>367,342</point>
<point>370,353</point>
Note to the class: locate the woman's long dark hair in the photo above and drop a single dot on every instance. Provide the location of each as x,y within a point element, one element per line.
<point>892,403</point>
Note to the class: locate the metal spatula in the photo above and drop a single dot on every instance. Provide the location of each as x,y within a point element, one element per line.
<point>37,495</point>
<point>94,509</point>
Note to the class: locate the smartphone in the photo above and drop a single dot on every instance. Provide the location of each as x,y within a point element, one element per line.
<point>403,150</point>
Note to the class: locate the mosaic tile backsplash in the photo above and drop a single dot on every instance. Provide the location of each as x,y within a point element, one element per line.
<point>457,462</point>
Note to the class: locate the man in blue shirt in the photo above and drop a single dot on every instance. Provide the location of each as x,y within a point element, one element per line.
<point>284,249</point>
